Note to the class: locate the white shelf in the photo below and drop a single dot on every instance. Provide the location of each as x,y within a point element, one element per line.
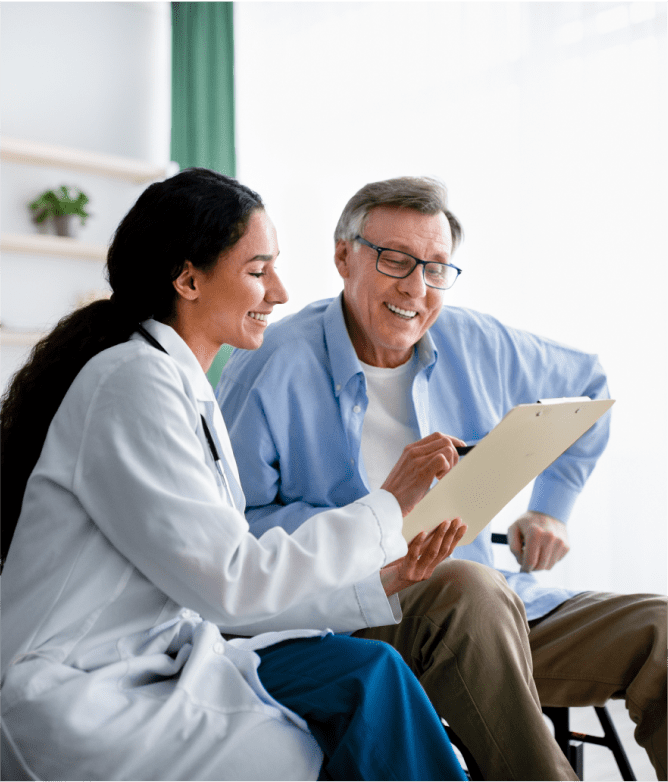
<point>64,247</point>
<point>12,338</point>
<point>38,153</point>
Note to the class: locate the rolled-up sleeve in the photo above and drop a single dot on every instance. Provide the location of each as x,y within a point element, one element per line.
<point>528,367</point>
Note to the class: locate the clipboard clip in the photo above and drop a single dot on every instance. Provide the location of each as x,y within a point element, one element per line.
<point>563,400</point>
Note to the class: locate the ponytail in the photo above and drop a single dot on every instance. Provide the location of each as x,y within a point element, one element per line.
<point>38,388</point>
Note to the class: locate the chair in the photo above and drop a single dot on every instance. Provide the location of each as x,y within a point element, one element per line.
<point>572,742</point>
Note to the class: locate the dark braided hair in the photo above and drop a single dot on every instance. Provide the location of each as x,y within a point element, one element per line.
<point>195,215</point>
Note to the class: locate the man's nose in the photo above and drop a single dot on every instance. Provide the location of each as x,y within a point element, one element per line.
<point>414,285</point>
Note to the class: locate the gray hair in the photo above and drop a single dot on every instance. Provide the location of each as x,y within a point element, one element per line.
<point>424,194</point>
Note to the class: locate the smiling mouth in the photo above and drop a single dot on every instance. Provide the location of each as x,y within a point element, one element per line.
<point>261,316</point>
<point>405,314</point>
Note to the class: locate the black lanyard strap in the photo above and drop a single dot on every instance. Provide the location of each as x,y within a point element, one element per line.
<point>209,439</point>
<point>150,338</point>
<point>153,341</point>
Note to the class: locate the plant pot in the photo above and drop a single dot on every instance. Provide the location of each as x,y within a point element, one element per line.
<point>64,225</point>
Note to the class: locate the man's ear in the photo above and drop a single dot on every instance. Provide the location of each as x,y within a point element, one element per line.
<point>341,252</point>
<point>186,283</point>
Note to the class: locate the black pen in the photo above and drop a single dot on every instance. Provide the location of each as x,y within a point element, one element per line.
<point>462,449</point>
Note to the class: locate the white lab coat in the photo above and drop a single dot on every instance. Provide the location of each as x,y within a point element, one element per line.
<point>130,560</point>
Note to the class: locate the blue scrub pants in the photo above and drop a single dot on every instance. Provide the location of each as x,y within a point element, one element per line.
<point>363,705</point>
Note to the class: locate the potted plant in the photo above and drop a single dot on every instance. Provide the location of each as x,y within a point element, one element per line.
<point>60,206</point>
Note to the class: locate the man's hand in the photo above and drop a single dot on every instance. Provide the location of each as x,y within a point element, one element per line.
<point>425,551</point>
<point>421,462</point>
<point>538,541</point>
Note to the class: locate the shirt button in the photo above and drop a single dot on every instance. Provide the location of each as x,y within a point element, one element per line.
<point>357,409</point>
<point>352,461</point>
<point>219,648</point>
<point>338,386</point>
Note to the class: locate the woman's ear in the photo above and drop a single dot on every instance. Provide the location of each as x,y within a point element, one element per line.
<point>186,283</point>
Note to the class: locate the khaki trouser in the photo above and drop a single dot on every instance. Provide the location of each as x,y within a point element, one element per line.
<point>465,635</point>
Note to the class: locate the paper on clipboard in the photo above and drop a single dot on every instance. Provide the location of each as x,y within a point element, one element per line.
<point>526,441</point>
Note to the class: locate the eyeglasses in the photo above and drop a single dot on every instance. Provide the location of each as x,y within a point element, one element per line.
<point>393,263</point>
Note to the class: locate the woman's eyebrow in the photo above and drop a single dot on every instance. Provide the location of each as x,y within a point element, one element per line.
<point>261,258</point>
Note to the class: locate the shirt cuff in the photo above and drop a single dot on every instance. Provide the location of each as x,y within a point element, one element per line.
<point>377,608</point>
<point>553,498</point>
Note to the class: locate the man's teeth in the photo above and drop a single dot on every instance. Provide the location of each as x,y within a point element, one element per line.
<point>403,313</point>
<point>258,315</point>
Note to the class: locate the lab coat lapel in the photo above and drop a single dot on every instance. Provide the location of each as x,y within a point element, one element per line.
<point>201,389</point>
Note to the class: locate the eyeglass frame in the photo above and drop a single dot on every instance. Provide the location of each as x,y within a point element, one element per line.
<point>418,262</point>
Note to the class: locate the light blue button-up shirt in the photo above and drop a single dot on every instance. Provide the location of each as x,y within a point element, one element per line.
<point>295,410</point>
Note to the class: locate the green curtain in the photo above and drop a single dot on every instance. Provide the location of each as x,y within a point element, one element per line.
<point>203,97</point>
<point>203,86</point>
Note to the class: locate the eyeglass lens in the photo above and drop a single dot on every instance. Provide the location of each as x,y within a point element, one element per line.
<point>396,264</point>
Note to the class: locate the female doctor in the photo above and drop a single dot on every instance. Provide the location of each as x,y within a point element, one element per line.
<point>146,633</point>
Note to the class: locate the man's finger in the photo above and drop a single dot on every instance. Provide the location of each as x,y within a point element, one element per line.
<point>530,554</point>
<point>555,554</point>
<point>433,444</point>
<point>441,463</point>
<point>435,437</point>
<point>516,543</point>
<point>549,554</point>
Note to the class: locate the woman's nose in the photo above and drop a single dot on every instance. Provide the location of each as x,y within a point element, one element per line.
<point>276,291</point>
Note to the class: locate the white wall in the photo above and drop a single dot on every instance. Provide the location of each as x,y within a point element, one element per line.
<point>547,121</point>
<point>93,76</point>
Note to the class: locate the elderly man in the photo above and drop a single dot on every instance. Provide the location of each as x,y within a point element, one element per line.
<point>320,414</point>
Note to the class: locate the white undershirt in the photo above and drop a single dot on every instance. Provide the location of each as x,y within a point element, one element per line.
<point>389,422</point>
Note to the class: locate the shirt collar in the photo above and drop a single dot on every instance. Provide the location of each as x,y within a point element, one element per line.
<point>177,348</point>
<point>342,355</point>
<point>427,353</point>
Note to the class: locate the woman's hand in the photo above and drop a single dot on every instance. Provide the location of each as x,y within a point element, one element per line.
<point>421,462</point>
<point>425,551</point>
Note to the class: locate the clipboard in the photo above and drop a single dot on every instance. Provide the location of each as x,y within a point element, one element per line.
<point>526,441</point>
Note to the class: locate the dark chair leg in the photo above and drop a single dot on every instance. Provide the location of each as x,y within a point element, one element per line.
<point>565,737</point>
<point>562,733</point>
<point>472,770</point>
<point>614,743</point>
<point>575,757</point>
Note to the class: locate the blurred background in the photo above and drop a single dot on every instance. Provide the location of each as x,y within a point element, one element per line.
<point>546,121</point>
